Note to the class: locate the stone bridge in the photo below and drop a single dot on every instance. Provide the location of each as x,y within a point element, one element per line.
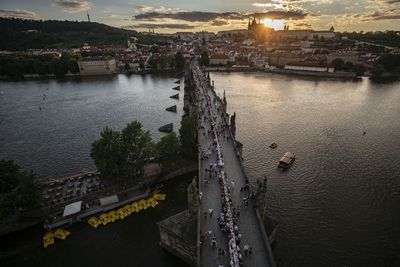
<point>223,226</point>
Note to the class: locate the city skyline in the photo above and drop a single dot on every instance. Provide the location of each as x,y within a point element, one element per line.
<point>174,16</point>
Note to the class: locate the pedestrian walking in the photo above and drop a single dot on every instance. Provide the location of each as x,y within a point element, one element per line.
<point>246,250</point>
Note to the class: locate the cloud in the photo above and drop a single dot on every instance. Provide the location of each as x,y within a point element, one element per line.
<point>17,13</point>
<point>390,1</point>
<point>219,23</point>
<point>161,9</point>
<point>282,14</point>
<point>161,26</point>
<point>73,6</point>
<point>303,25</point>
<point>385,15</point>
<point>200,16</point>
<point>192,16</point>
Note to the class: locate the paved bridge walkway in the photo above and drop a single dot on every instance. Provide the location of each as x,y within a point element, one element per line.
<point>239,228</point>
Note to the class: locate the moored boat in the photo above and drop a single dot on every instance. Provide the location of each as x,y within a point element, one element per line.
<point>286,160</point>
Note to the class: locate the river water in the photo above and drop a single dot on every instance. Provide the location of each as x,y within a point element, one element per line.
<point>48,125</point>
<point>338,205</point>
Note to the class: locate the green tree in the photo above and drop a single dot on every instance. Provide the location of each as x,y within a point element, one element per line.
<point>154,48</point>
<point>141,64</point>
<point>204,60</point>
<point>359,69</point>
<point>188,137</point>
<point>338,63</point>
<point>127,67</point>
<point>168,151</point>
<point>137,149</point>
<point>107,155</point>
<point>120,156</point>
<point>179,61</point>
<point>28,192</point>
<point>73,66</point>
<point>389,61</point>
<point>9,172</point>
<point>377,71</point>
<point>348,66</point>
<point>18,190</point>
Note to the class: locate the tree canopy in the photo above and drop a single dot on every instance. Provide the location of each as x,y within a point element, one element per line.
<point>168,151</point>
<point>19,190</point>
<point>22,34</point>
<point>15,66</point>
<point>204,60</point>
<point>338,63</point>
<point>120,156</point>
<point>188,137</point>
<point>179,61</point>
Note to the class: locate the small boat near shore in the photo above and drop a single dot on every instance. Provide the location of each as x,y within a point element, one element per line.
<point>273,145</point>
<point>287,160</point>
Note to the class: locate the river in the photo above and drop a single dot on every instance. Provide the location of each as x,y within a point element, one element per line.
<point>49,125</point>
<point>338,205</point>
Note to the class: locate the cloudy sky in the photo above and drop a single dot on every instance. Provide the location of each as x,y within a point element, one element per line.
<point>215,15</point>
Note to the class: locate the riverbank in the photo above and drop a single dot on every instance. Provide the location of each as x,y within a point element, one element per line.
<point>134,239</point>
<point>35,76</point>
<point>31,218</point>
<point>337,75</point>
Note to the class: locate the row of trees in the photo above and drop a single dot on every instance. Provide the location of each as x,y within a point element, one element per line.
<point>16,66</point>
<point>120,156</point>
<point>388,65</point>
<point>21,34</point>
<point>389,38</point>
<point>162,62</point>
<point>339,64</point>
<point>18,190</point>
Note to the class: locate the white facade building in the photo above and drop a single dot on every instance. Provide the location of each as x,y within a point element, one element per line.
<point>309,67</point>
<point>97,66</point>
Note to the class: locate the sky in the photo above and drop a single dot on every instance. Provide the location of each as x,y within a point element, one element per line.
<point>169,16</point>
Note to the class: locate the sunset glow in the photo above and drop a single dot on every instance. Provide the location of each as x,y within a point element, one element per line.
<point>274,24</point>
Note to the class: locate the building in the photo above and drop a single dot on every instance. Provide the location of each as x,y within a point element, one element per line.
<point>352,57</point>
<point>282,58</point>
<point>219,59</point>
<point>97,66</point>
<point>233,33</point>
<point>185,36</point>
<point>257,30</point>
<point>309,66</point>
<point>287,34</point>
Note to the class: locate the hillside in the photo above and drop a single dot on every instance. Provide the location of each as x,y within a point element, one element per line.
<point>19,34</point>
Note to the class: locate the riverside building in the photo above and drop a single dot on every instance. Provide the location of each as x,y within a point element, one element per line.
<point>97,66</point>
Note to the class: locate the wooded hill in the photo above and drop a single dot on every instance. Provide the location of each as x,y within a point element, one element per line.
<point>21,34</point>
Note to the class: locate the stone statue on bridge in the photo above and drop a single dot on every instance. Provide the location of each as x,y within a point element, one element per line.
<point>193,196</point>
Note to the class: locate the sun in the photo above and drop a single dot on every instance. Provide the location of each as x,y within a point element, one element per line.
<point>274,24</point>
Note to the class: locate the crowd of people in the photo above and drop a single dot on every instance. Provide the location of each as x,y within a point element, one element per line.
<point>212,124</point>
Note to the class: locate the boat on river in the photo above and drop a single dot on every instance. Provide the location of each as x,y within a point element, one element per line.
<point>273,145</point>
<point>287,160</point>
